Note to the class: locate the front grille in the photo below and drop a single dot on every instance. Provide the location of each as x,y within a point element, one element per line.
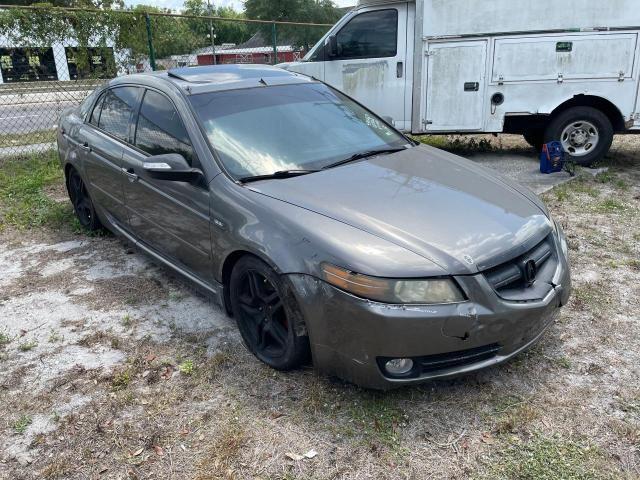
<point>509,277</point>
<point>443,361</point>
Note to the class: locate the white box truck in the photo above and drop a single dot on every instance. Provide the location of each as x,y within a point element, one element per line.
<point>562,70</point>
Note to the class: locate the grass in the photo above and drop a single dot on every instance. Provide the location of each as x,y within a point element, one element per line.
<point>121,380</point>
<point>377,420</point>
<point>187,367</point>
<point>20,425</point>
<point>18,139</point>
<point>27,346</point>
<point>546,458</point>
<point>23,201</point>
<point>5,339</point>
<point>457,144</point>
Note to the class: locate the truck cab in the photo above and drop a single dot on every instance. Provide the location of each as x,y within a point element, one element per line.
<point>461,66</point>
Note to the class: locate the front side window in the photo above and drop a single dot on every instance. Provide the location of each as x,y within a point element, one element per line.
<point>369,35</point>
<point>160,129</point>
<point>95,114</point>
<point>117,106</point>
<point>259,131</point>
<point>87,103</point>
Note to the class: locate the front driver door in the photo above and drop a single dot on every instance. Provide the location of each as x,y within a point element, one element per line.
<point>370,63</point>
<point>170,217</point>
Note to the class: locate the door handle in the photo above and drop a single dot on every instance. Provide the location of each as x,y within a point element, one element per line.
<point>471,86</point>
<point>85,146</point>
<point>131,175</point>
<point>399,70</point>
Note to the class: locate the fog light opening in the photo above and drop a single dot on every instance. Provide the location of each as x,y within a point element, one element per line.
<point>399,366</point>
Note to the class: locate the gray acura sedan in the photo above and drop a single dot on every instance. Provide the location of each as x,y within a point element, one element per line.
<point>328,235</point>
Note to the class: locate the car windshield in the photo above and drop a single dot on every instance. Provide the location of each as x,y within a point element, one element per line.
<point>260,131</point>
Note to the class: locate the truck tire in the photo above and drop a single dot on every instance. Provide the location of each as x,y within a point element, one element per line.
<point>535,138</point>
<point>586,134</point>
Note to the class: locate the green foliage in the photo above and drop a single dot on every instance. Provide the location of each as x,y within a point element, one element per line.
<point>23,201</point>
<point>547,458</point>
<point>304,11</point>
<point>225,32</point>
<point>20,425</point>
<point>187,367</point>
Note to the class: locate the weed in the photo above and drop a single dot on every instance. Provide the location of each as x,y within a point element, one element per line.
<point>54,337</point>
<point>121,380</point>
<point>5,339</point>
<point>126,321</point>
<point>563,362</point>
<point>187,367</point>
<point>20,425</point>
<point>27,346</point>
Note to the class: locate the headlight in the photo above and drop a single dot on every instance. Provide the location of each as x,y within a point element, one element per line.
<point>387,290</point>
<point>562,238</point>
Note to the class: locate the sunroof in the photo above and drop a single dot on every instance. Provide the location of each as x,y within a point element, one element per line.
<point>226,73</point>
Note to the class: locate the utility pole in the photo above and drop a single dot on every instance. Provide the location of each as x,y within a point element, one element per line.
<point>211,34</point>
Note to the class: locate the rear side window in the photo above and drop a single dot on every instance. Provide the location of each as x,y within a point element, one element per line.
<point>369,35</point>
<point>160,129</point>
<point>117,106</point>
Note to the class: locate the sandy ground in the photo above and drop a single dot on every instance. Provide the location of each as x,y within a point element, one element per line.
<point>111,367</point>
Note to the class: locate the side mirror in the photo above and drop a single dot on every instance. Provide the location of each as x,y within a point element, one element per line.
<point>333,46</point>
<point>171,166</point>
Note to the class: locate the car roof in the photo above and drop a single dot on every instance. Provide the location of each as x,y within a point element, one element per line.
<point>194,80</point>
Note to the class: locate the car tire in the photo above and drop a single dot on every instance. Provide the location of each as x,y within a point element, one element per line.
<point>267,315</point>
<point>586,134</point>
<point>535,138</point>
<point>83,206</point>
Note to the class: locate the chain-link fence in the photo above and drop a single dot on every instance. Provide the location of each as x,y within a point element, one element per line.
<point>52,58</point>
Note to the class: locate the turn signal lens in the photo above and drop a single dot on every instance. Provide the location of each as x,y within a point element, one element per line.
<point>387,290</point>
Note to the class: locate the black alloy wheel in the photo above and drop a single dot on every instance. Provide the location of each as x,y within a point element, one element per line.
<point>82,204</point>
<point>266,321</point>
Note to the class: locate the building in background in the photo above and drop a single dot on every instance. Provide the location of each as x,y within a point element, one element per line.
<point>255,50</point>
<point>58,62</point>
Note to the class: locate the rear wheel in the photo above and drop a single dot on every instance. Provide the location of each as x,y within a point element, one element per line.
<point>586,134</point>
<point>82,204</point>
<point>266,315</point>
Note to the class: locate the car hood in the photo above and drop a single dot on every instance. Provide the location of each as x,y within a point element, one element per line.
<point>447,209</point>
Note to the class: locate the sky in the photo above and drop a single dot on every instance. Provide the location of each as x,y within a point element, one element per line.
<point>237,4</point>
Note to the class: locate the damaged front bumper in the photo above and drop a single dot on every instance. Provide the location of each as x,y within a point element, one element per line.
<point>352,337</point>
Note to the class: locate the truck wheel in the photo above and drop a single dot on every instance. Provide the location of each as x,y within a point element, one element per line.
<point>586,134</point>
<point>535,138</point>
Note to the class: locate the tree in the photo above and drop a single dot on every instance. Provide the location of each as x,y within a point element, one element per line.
<point>226,32</point>
<point>69,3</point>
<point>304,11</point>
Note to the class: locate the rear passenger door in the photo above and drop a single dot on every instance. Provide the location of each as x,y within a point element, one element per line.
<point>171,217</point>
<point>100,145</point>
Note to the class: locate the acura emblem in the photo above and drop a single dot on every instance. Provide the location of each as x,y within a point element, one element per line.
<point>530,271</point>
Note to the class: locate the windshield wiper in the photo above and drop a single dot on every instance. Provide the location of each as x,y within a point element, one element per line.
<point>361,155</point>
<point>278,174</point>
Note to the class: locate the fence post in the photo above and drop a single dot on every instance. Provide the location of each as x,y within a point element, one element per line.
<point>152,53</point>
<point>274,35</point>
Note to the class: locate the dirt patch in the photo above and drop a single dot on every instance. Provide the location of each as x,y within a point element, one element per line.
<point>111,367</point>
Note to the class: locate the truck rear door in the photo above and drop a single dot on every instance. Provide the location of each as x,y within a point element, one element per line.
<point>455,85</point>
